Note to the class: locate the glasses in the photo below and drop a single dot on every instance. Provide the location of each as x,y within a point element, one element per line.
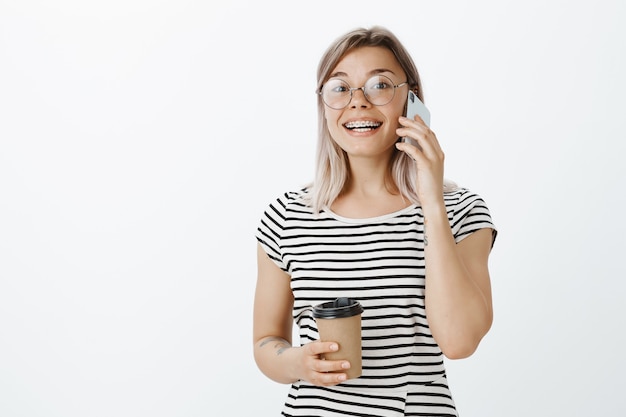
<point>378,90</point>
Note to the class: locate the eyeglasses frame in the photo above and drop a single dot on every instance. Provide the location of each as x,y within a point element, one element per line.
<point>352,89</point>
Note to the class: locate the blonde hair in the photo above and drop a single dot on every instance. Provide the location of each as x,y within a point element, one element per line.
<point>331,170</point>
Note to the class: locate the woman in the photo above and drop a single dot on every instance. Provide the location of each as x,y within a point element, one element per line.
<point>380,225</point>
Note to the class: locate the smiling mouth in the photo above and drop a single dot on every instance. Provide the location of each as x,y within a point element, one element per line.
<point>362,126</point>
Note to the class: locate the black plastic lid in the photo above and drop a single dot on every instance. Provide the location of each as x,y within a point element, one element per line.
<point>339,308</point>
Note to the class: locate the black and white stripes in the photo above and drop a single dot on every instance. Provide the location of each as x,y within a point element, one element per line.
<point>380,262</point>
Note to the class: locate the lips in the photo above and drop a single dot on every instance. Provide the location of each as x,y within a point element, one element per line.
<point>362,125</point>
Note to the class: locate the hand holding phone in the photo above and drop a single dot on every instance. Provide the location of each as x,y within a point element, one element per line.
<point>415,106</point>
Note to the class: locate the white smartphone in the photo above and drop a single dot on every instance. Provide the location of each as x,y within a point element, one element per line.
<point>415,106</point>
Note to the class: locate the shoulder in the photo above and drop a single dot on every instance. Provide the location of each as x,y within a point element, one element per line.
<point>297,200</point>
<point>467,212</point>
<point>461,198</point>
<point>288,205</point>
<point>276,221</point>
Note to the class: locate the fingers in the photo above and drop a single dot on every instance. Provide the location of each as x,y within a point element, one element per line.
<point>417,124</point>
<point>319,371</point>
<point>423,145</point>
<point>428,157</point>
<point>415,129</point>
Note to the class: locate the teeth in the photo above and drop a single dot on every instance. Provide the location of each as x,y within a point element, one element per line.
<point>361,124</point>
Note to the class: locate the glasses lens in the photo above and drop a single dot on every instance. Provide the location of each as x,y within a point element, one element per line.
<point>379,90</point>
<point>336,94</point>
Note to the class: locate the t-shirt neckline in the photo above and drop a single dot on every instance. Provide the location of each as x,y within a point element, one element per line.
<point>365,220</point>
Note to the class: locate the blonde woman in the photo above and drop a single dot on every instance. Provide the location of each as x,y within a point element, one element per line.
<point>379,224</point>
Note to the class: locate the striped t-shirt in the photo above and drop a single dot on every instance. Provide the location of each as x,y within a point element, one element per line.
<point>379,262</point>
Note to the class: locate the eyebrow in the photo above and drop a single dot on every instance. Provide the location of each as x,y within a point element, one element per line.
<point>372,72</point>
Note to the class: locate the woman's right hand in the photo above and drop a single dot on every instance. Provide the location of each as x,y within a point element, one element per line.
<point>316,370</point>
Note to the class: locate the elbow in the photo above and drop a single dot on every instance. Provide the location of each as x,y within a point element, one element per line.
<point>457,350</point>
<point>462,346</point>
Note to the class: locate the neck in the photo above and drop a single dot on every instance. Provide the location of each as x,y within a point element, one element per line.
<point>369,178</point>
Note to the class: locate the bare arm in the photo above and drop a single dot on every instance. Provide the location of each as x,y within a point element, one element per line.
<point>272,331</point>
<point>458,289</point>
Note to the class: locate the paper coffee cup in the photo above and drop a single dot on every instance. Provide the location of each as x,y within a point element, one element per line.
<point>340,321</point>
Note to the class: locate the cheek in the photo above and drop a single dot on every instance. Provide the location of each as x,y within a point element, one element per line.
<point>330,116</point>
<point>333,130</point>
<point>401,107</point>
<point>331,121</point>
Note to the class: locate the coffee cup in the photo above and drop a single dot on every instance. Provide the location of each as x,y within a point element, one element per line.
<point>340,321</point>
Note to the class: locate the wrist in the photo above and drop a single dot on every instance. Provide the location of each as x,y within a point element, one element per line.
<point>434,211</point>
<point>274,357</point>
<point>292,364</point>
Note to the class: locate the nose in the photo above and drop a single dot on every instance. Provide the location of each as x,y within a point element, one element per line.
<point>359,99</point>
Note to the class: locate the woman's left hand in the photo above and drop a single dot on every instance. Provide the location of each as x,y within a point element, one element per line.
<point>428,157</point>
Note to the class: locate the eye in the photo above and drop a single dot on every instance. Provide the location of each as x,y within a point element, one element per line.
<point>380,84</point>
<point>336,87</point>
<point>339,89</point>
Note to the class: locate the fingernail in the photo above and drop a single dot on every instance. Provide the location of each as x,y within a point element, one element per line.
<point>345,365</point>
<point>334,346</point>
<point>341,377</point>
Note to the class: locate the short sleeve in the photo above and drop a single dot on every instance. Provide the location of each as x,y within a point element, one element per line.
<point>468,213</point>
<point>270,230</point>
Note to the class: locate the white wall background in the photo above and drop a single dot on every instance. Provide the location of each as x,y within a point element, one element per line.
<point>139,144</point>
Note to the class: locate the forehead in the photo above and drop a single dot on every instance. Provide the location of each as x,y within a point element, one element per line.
<point>366,61</point>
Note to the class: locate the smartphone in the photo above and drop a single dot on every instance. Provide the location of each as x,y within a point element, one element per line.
<point>415,106</point>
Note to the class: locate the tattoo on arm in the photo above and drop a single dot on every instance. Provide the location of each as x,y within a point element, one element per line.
<point>271,339</point>
<point>282,349</point>
<point>281,344</point>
